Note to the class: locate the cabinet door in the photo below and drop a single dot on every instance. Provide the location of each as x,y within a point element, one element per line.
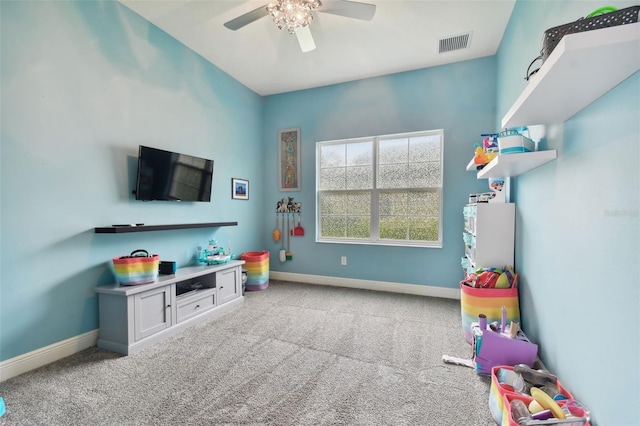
<point>228,283</point>
<point>152,312</point>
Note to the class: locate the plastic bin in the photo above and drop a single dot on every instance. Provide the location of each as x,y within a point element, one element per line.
<point>257,266</point>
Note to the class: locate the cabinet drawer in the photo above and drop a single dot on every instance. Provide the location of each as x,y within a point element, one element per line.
<point>193,304</point>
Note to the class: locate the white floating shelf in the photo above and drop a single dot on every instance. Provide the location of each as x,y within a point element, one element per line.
<point>471,166</point>
<point>510,165</point>
<point>582,67</point>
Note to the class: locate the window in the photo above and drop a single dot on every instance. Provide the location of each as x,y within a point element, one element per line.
<point>383,190</point>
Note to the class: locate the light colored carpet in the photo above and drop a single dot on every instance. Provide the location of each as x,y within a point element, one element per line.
<point>294,354</point>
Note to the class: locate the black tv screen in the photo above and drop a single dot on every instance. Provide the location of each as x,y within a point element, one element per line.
<point>170,176</point>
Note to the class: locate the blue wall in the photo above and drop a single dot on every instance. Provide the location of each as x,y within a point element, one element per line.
<point>83,84</point>
<point>459,98</point>
<point>578,228</point>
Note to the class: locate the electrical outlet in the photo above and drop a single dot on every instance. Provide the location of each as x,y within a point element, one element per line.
<point>343,260</point>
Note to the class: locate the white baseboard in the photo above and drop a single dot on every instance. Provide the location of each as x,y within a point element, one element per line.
<point>48,354</point>
<point>419,290</point>
<point>43,356</point>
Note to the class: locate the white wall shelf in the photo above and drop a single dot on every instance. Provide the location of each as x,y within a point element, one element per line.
<point>510,165</point>
<point>582,67</point>
<point>471,166</point>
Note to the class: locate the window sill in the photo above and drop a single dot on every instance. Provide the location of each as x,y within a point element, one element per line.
<point>436,245</point>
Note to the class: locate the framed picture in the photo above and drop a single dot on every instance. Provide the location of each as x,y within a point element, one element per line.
<point>289,160</point>
<point>239,189</point>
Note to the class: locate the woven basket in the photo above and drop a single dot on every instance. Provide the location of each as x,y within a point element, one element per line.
<point>552,36</point>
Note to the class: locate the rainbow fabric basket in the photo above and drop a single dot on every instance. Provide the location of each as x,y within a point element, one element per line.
<point>257,266</point>
<point>488,301</point>
<point>138,268</point>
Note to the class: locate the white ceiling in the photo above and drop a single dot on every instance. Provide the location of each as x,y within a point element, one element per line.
<point>403,35</point>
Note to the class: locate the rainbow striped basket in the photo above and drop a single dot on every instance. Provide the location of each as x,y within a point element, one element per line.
<point>257,266</point>
<point>139,267</point>
<point>487,301</point>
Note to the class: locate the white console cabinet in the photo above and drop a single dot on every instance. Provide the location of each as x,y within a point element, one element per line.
<point>135,317</point>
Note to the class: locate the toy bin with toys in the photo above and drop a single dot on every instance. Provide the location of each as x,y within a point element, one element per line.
<point>540,395</point>
<point>486,292</point>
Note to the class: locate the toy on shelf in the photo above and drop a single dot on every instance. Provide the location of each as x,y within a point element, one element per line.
<point>486,151</point>
<point>497,186</point>
<point>490,144</point>
<point>480,158</point>
<point>214,254</point>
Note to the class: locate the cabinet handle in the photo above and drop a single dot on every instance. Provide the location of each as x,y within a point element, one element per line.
<point>168,306</point>
<point>197,307</point>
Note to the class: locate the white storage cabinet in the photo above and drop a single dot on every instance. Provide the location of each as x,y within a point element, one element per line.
<point>489,235</point>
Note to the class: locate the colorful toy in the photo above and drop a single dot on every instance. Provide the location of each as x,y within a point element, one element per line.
<point>507,278</point>
<point>487,151</point>
<point>490,143</point>
<point>487,279</point>
<point>503,277</point>
<point>214,254</point>
<point>481,157</point>
<point>547,403</point>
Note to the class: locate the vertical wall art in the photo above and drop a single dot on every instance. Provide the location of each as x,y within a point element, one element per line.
<point>289,160</point>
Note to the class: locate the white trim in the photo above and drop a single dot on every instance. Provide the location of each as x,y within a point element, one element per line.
<point>419,290</point>
<point>46,355</point>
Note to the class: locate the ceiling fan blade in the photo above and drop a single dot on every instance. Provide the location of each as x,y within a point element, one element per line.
<point>305,39</point>
<point>247,18</point>
<point>350,9</point>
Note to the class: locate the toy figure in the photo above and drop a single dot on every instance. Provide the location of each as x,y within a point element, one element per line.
<point>480,157</point>
<point>214,254</point>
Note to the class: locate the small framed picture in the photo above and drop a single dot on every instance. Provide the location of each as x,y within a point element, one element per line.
<point>239,189</point>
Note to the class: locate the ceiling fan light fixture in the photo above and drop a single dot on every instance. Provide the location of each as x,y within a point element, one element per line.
<point>292,14</point>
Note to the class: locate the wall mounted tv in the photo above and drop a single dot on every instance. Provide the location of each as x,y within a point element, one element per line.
<point>170,176</point>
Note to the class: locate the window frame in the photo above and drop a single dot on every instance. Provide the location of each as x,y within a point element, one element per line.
<point>374,239</point>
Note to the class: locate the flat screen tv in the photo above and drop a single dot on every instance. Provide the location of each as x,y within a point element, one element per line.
<point>170,176</point>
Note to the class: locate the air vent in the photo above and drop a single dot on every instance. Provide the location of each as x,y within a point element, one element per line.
<point>454,43</point>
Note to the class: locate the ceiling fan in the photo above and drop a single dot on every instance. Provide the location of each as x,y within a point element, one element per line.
<point>295,16</point>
